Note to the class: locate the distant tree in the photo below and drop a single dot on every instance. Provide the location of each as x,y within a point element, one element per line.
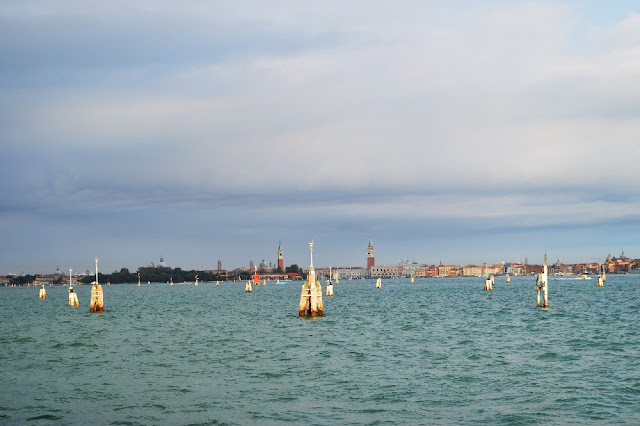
<point>293,269</point>
<point>22,279</point>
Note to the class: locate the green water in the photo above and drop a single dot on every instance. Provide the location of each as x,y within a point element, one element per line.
<point>440,351</point>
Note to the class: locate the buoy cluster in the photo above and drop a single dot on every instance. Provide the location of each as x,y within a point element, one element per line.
<point>311,293</point>
<point>97,298</point>
<point>311,297</point>
<point>488,283</point>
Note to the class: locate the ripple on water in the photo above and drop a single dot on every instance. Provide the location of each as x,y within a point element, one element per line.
<point>440,351</point>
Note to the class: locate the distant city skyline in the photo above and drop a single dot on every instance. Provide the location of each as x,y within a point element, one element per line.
<point>368,261</point>
<point>459,132</point>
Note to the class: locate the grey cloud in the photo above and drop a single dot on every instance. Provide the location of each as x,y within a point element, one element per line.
<point>415,122</point>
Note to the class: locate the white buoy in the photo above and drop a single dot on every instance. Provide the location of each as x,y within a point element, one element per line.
<point>329,288</point>
<point>43,293</point>
<point>217,282</point>
<point>508,279</point>
<point>379,283</point>
<point>329,284</point>
<point>412,280</point>
<point>542,286</point>
<point>196,283</point>
<point>138,280</point>
<point>247,287</point>
<point>73,296</point>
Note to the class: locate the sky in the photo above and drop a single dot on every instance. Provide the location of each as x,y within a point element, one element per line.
<point>459,132</point>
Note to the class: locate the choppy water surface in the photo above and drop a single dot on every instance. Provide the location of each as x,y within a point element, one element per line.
<point>438,351</point>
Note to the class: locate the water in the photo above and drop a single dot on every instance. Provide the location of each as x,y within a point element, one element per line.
<point>437,352</point>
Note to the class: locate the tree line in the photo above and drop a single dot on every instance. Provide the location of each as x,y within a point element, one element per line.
<point>153,274</point>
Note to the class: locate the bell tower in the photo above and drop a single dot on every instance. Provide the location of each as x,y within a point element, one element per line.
<point>371,260</point>
<point>280,257</point>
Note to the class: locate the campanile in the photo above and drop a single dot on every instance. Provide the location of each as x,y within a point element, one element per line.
<point>371,260</point>
<point>280,257</point>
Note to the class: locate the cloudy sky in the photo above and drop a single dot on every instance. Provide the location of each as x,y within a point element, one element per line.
<point>453,131</point>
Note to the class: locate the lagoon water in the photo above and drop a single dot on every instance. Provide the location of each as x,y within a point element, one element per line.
<point>437,352</point>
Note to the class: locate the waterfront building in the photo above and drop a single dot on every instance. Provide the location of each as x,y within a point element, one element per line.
<point>472,270</point>
<point>517,269</point>
<point>620,265</point>
<point>448,270</point>
<point>385,271</point>
<point>356,273</point>
<point>413,270</point>
<point>430,271</point>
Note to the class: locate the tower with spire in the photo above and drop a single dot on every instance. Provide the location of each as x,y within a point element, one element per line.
<point>280,257</point>
<point>371,259</point>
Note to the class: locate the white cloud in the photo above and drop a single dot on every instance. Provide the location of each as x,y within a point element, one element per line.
<point>353,98</point>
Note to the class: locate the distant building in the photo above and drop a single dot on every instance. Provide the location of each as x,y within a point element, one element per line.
<point>219,265</point>
<point>385,271</point>
<point>472,270</point>
<point>448,270</point>
<point>430,271</point>
<point>280,257</point>
<point>413,270</point>
<point>350,273</point>
<point>371,259</point>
